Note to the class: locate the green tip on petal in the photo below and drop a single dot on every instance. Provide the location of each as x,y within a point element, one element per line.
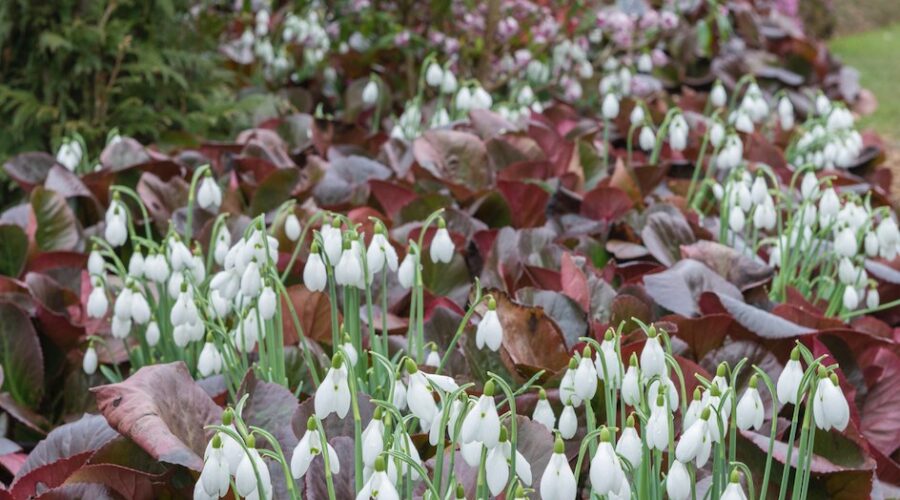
<point>660,400</point>
<point>379,464</point>
<point>714,391</point>
<point>411,366</point>
<point>558,446</point>
<point>184,286</point>
<point>489,388</point>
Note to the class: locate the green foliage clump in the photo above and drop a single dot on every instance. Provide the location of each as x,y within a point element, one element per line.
<point>85,67</point>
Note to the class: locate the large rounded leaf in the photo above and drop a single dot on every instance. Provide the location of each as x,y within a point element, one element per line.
<point>458,158</point>
<point>57,226</point>
<point>164,411</point>
<point>22,359</point>
<point>13,250</point>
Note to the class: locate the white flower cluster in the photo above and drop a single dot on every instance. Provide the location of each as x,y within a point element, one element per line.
<point>829,140</point>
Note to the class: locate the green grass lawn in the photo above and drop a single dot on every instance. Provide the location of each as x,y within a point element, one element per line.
<point>876,54</point>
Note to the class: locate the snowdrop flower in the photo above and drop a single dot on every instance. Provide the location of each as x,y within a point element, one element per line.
<point>370,93</point>
<point>379,485</point>
<point>637,115</point>
<point>267,304</point>
<point>209,195</point>
<point>251,280</point>
<point>481,99</point>
<point>629,445</point>
<point>631,385</point>
<point>870,242</point>
<point>694,409</point>
<point>70,154</point>
<point>332,241</point>
<point>845,243</point>
<point>120,327</point>
<point>380,253</point>
<point>399,397</point>
<point>645,63</point>
<point>496,465</point>
<point>658,425</point>
<point>525,97</point>
<point>96,264</point>
<point>567,392</point>
<point>433,359</point>
<point>373,439</point>
<point>292,227</point>
<point>694,439</point>
<point>716,134</point>
<point>665,387</point>
<point>789,381</point>
<point>441,244</point>
<point>449,83</point>
<point>742,121</point>
<point>245,478</point>
<point>872,298</point>
<point>646,139</point>
<point>116,232</point>
<point>718,97</point>
<point>140,309</point>
<point>568,421</point>
<point>156,268</point>
<point>653,357</point>
<point>543,412</point>
<point>151,335</point>
<point>734,491</point>
<point>888,237</point>
<point>823,104</point>
<point>210,360</point>
<point>348,271</point>
<point>489,331</point>
<point>309,447</point>
<point>406,274</point>
<point>89,362</point>
<point>215,476</point>
<point>98,303</point>
<point>678,133</point>
<point>136,264</point>
<point>786,113</point>
<point>829,206</point>
<point>678,482</point>
<point>434,75</point>
<point>586,376</point>
<point>482,423</point>
<point>419,397</point>
<point>809,186</point>
<point>736,219</point>
<point>750,410</point>
<point>607,363</point>
<point>606,471</point>
<point>610,107</point>
<point>464,99</point>
<point>830,407</point>
<point>315,276</point>
<point>850,298</point>
<point>558,481</point>
<point>333,395</point>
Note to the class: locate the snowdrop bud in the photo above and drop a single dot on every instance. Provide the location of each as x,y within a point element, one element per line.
<point>742,122</point>
<point>631,388</point>
<point>210,360</point>
<point>315,276</point>
<point>332,241</point>
<point>370,93</point>
<point>637,115</point>
<point>733,491</point>
<point>140,309</point>
<point>441,244</point>
<point>736,219</point>
<point>851,298</point>
<point>790,378</point>
<point>629,445</point>
<point>449,83</point>
<point>464,99</point>
<point>678,482</point>
<point>70,154</point>
<point>96,264</point>
<point>489,331</point>
<point>434,75</point>
<point>568,422</point>
<point>209,195</point>
<point>251,281</point>
<point>678,133</point>
<point>606,471</point>
<point>809,186</point>
<point>716,134</point>
<point>98,303</point>
<point>151,335</point>
<point>406,274</point>
<point>610,107</point>
<point>786,113</point>
<point>481,99</point>
<point>89,362</point>
<point>433,359</point>
<point>399,397</point>
<point>586,376</point>
<point>116,232</point>
<point>658,425</point>
<point>759,192</point>
<point>872,298</point>
<point>292,227</point>
<point>267,303</point>
<point>245,479</point>
<point>120,327</point>
<point>871,244</point>
<point>750,410</point>
<point>646,139</point>
<point>348,271</point>
<point>718,97</point>
<point>543,412</point>
<point>653,357</point>
<point>558,481</point>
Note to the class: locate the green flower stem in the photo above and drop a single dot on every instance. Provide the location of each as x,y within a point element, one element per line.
<point>192,195</point>
<point>280,457</point>
<point>660,135</point>
<point>329,479</point>
<point>764,489</point>
<point>304,342</point>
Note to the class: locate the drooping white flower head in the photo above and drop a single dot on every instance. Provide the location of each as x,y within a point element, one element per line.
<point>482,422</point>
<point>658,425</point>
<point>434,75</point>
<point>332,241</point>
<point>381,253</point>
<point>98,302</point>
<point>406,274</point>
<point>568,421</point>
<point>734,491</point>
<point>830,407</point>
<point>543,412</point>
<point>631,383</point>
<point>333,394</point>
<point>209,194</point>
<point>370,93</point>
<point>606,470</point>
<point>718,97</point>
<point>586,376</point>
<point>309,447</point>
<point>489,331</point>
<point>292,227</point>
<point>210,360</point>
<point>441,245</point>
<point>379,486</point>
<point>678,482</point>
<point>558,481</point>
<point>750,409</point>
<point>315,276</point>
<point>245,479</point>
<point>629,445</point>
<point>116,232</point>
<point>89,362</point>
<point>610,107</point>
<point>215,476</point>
<point>348,271</point>
<point>653,357</point>
<point>608,363</point>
